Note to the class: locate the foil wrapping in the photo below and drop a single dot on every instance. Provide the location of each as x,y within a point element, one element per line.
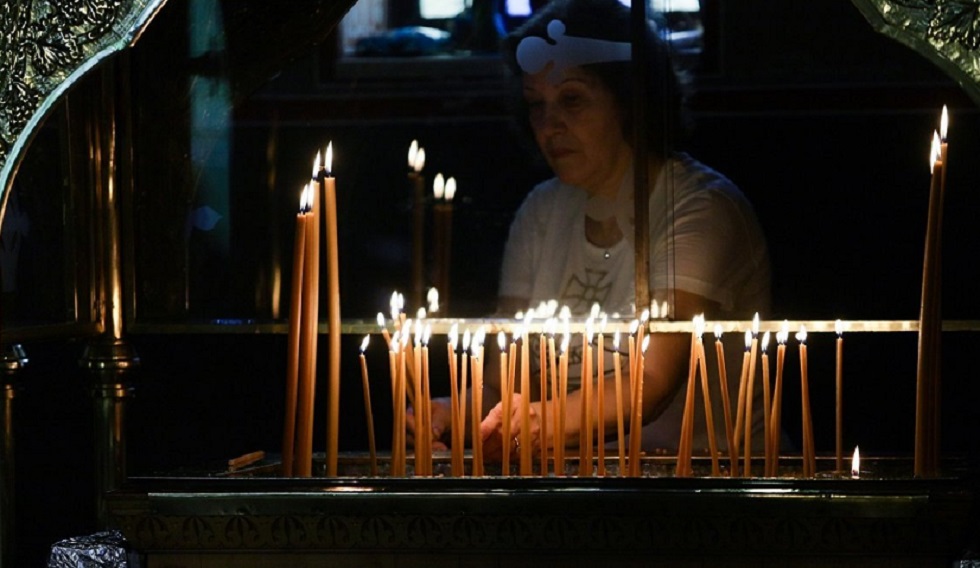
<point>101,550</point>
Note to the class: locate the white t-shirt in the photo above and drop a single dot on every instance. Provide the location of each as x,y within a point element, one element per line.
<point>704,239</point>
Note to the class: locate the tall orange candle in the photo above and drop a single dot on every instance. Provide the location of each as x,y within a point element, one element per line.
<point>740,404</point>
<point>562,403</point>
<point>555,385</point>
<point>505,396</point>
<point>456,451</point>
<point>620,426</point>
<point>775,427</point>
<point>395,422</point>
<point>293,341</point>
<point>416,161</point>
<point>601,400</point>
<point>426,405</point>
<point>476,360</point>
<point>684,450</point>
<point>766,406</point>
<point>525,434</point>
<point>366,385</point>
<point>636,434</point>
<point>417,404</point>
<point>726,402</point>
<point>329,189</point>
<point>461,426</point>
<point>585,432</point>
<point>706,388</point>
<point>543,385</point>
<point>809,459</point>
<point>311,301</point>
<point>750,397</point>
<point>839,402</point>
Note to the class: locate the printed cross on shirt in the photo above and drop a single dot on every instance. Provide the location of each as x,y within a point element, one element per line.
<point>579,295</point>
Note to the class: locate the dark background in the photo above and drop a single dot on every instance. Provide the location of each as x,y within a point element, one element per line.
<point>823,123</point>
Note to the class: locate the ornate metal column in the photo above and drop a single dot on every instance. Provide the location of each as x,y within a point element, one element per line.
<point>109,359</point>
<point>12,361</point>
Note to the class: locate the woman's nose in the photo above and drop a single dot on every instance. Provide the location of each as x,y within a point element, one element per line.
<point>552,119</point>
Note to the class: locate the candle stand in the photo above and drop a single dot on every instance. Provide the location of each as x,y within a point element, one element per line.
<point>885,517</point>
<point>12,363</point>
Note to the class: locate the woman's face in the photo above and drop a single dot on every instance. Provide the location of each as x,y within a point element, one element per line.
<point>577,126</point>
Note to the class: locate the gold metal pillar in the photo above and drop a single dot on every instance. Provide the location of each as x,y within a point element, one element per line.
<point>109,359</point>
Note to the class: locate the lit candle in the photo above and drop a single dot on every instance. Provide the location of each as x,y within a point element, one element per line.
<point>543,385</point>
<point>443,192</point>
<point>303,453</point>
<point>395,416</point>
<point>329,189</point>
<point>525,432</point>
<point>294,341</point>
<point>726,401</point>
<point>749,397</point>
<point>506,391</point>
<point>551,324</point>
<point>809,459</point>
<point>426,404</point>
<point>416,156</point>
<point>366,384</point>
<point>418,404</point>
<point>601,398</point>
<point>562,401</point>
<point>856,464</point>
<point>476,360</point>
<point>432,298</point>
<point>456,452</point>
<point>839,376</point>
<point>461,427</point>
<point>766,406</point>
<point>740,405</point>
<point>637,416</point>
<point>384,329</point>
<point>928,371</point>
<point>585,432</point>
<point>620,426</point>
<point>684,449</point>
<point>776,427</point>
<point>709,417</point>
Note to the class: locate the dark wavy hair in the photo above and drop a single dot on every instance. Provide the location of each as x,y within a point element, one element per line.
<point>666,125</point>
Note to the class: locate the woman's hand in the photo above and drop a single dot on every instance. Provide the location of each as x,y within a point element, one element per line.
<point>441,424</point>
<point>492,430</point>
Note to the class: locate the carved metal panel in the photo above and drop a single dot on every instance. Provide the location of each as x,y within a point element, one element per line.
<point>45,46</point>
<point>947,32</point>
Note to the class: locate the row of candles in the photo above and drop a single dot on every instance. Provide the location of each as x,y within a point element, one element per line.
<point>443,193</point>
<point>408,350</point>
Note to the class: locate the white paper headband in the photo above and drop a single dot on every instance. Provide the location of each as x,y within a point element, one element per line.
<point>534,53</point>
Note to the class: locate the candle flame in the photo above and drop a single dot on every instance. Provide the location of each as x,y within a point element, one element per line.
<point>420,314</point>
<point>748,339</point>
<point>329,160</point>
<point>381,320</point>
<point>801,335</point>
<point>645,315</point>
<point>316,165</point>
<point>432,297</point>
<point>564,343</point>
<point>502,340</point>
<point>413,149</point>
<point>718,331</point>
<point>438,186</point>
<point>466,339</point>
<point>304,199</point>
<point>603,320</point>
<point>364,343</point>
<point>646,343</point>
<point>934,151</point>
<point>418,332</point>
<point>616,341</point>
<point>781,336</point>
<point>755,324</point>
<point>450,188</point>
<point>634,326</point>
<point>944,123</point>
<point>856,463</point>
<point>589,331</point>
<point>427,334</point>
<point>453,335</point>
<point>765,340</point>
<point>698,323</point>
<point>419,160</point>
<point>839,327</point>
<point>594,310</point>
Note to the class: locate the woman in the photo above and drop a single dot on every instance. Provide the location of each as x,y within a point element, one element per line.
<point>572,238</point>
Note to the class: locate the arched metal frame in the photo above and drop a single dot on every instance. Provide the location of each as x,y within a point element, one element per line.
<point>47,47</point>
